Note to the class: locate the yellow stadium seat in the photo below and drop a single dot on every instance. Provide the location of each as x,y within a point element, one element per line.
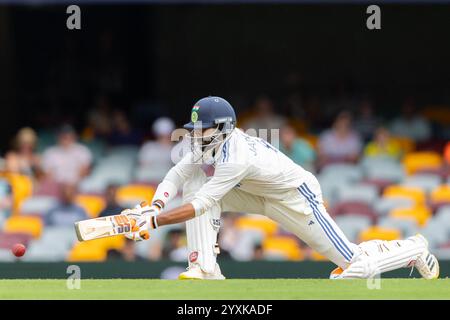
<point>95,250</point>
<point>283,246</point>
<point>398,191</point>
<point>84,251</point>
<point>92,204</point>
<point>407,145</point>
<point>256,222</point>
<point>415,161</point>
<point>419,214</point>
<point>440,194</point>
<point>22,188</point>
<point>116,242</point>
<point>315,256</point>
<point>380,233</point>
<point>135,193</point>
<point>24,224</point>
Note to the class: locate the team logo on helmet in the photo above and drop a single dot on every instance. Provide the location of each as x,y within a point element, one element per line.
<point>194,116</point>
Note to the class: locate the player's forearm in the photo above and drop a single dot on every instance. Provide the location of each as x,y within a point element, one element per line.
<point>177,215</point>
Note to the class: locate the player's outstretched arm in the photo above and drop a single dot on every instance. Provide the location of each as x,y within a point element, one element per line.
<point>152,220</point>
<point>177,215</point>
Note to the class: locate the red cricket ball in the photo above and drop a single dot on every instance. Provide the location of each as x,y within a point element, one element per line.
<point>18,249</point>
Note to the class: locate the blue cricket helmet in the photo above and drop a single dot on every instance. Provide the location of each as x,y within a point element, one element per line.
<point>212,111</point>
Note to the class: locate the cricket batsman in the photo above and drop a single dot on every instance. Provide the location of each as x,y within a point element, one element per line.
<point>252,176</point>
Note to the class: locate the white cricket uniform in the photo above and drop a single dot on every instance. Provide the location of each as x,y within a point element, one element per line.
<point>253,176</point>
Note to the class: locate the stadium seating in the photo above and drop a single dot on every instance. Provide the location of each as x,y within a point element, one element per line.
<point>382,169</point>
<point>6,256</point>
<point>24,224</point>
<point>115,168</point>
<point>247,239</point>
<point>38,205</point>
<point>22,187</point>
<point>358,192</point>
<point>443,215</point>
<point>352,224</point>
<point>436,233</point>
<point>415,161</point>
<point>96,147</point>
<point>42,252</point>
<point>342,172</point>
<point>8,239</point>
<point>95,250</point>
<point>86,252</point>
<point>406,144</point>
<point>386,204</point>
<point>257,223</point>
<point>426,182</point>
<point>92,204</point>
<point>440,196</point>
<point>353,208</point>
<point>377,198</point>
<point>152,175</point>
<point>398,191</point>
<point>418,214</point>
<point>130,195</point>
<point>282,248</point>
<point>377,232</point>
<point>407,227</point>
<point>315,256</point>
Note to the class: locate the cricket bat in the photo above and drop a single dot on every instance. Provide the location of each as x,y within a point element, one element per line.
<point>103,227</point>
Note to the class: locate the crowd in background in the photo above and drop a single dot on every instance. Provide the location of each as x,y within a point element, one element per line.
<point>57,166</point>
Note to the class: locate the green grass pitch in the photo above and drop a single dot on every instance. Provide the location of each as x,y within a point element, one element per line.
<point>229,289</point>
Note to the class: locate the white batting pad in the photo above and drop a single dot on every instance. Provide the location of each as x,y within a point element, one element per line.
<point>201,231</point>
<point>379,256</point>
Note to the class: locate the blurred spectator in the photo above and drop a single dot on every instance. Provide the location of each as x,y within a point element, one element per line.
<point>228,236</point>
<point>126,253</point>
<point>264,118</point>
<point>410,124</point>
<point>174,247</point>
<point>157,153</point>
<point>23,159</point>
<point>341,142</point>
<point>99,118</point>
<point>296,148</point>
<point>6,199</point>
<point>66,213</point>
<point>382,145</point>
<point>112,207</point>
<point>123,133</point>
<point>366,122</point>
<point>258,252</point>
<point>67,162</point>
<point>447,153</point>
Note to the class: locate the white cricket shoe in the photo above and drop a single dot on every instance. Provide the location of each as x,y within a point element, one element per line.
<point>427,264</point>
<point>196,273</point>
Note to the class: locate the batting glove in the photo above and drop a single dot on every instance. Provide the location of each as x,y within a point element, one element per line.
<point>142,219</point>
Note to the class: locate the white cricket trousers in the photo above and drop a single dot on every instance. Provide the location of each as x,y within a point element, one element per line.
<point>301,212</point>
